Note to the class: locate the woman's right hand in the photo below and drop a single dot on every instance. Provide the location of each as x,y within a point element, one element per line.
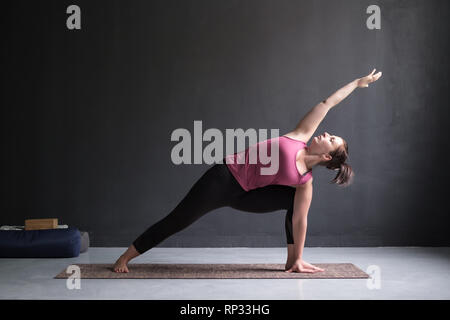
<point>364,81</point>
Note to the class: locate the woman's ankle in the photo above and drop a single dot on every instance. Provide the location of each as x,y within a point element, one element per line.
<point>131,253</point>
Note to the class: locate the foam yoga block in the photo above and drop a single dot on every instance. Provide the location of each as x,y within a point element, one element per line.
<point>40,224</point>
<point>84,241</point>
<point>50,243</point>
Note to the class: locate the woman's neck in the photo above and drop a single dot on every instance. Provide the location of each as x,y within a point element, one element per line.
<point>310,160</point>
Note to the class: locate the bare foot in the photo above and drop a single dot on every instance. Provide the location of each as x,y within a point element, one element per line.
<point>121,265</point>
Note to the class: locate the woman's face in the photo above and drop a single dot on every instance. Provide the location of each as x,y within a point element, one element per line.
<point>325,143</point>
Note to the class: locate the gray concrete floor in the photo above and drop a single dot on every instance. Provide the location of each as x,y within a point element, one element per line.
<point>404,273</point>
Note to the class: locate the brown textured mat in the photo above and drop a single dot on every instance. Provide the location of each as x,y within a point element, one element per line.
<point>215,271</point>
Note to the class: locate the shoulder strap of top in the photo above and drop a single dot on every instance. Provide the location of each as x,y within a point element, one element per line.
<point>294,139</point>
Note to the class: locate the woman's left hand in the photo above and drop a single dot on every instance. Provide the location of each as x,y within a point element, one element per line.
<point>364,81</point>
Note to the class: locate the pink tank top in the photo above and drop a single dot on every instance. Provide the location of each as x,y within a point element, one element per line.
<point>250,174</point>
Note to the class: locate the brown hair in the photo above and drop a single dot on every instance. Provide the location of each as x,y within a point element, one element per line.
<point>345,173</point>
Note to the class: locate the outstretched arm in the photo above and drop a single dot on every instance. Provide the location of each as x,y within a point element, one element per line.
<point>302,202</point>
<point>308,125</point>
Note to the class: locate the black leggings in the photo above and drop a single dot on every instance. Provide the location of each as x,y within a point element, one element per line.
<point>218,188</point>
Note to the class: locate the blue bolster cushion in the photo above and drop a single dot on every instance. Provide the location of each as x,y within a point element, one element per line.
<point>48,243</point>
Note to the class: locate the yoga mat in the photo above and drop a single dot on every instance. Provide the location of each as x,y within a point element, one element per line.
<point>215,271</point>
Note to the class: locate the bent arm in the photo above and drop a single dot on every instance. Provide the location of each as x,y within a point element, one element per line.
<point>302,202</point>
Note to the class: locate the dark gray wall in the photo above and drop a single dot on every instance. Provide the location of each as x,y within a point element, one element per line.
<point>87,115</point>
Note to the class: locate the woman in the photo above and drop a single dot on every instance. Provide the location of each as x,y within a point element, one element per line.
<point>239,185</point>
